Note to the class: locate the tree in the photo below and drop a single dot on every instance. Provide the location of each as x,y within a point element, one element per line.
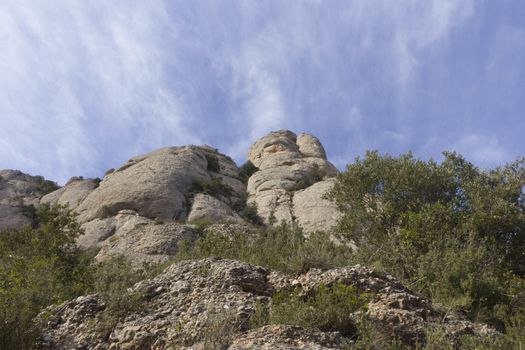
<point>454,231</point>
<point>38,267</point>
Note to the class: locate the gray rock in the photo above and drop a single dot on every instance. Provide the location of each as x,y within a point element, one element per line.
<point>314,213</point>
<point>284,337</point>
<point>18,192</point>
<point>211,209</point>
<point>206,304</point>
<point>155,185</point>
<point>288,164</point>
<point>310,146</point>
<point>73,192</point>
<point>143,240</point>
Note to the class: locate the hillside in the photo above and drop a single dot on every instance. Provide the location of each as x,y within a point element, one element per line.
<point>180,248</point>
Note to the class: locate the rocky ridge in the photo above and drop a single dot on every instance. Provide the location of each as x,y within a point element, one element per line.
<point>182,307</point>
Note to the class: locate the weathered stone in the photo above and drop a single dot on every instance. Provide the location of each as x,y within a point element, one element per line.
<point>310,146</point>
<point>143,240</point>
<point>207,303</point>
<point>288,164</point>
<point>313,212</point>
<point>18,193</point>
<point>156,184</point>
<point>208,208</point>
<point>283,337</point>
<point>73,192</point>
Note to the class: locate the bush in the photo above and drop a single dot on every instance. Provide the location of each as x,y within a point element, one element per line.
<point>282,248</point>
<point>330,308</point>
<point>213,163</point>
<point>38,267</point>
<point>454,232</point>
<point>112,280</point>
<point>46,186</point>
<point>246,170</point>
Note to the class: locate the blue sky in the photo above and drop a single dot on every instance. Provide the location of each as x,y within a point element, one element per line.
<point>84,85</point>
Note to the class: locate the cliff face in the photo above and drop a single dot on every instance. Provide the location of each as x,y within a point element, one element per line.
<point>156,197</point>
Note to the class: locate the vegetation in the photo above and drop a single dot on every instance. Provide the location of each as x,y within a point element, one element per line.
<point>246,170</point>
<point>42,266</point>
<point>282,248</point>
<point>213,163</point>
<point>330,308</point>
<point>38,267</point>
<point>46,186</point>
<point>450,230</point>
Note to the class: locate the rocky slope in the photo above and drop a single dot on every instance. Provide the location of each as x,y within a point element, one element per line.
<point>206,304</point>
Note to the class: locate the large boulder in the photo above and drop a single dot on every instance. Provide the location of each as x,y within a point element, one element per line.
<point>157,184</point>
<point>312,211</point>
<point>19,193</point>
<point>206,208</point>
<point>288,164</point>
<point>143,240</point>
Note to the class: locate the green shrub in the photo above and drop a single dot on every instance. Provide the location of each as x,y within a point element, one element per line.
<point>452,231</point>
<point>282,248</point>
<point>38,267</point>
<point>213,163</point>
<point>246,170</point>
<point>112,280</point>
<point>46,186</point>
<point>330,308</point>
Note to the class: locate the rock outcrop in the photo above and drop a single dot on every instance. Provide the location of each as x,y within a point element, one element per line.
<point>73,192</point>
<point>143,240</point>
<point>289,164</point>
<point>156,184</point>
<point>19,193</point>
<point>207,303</point>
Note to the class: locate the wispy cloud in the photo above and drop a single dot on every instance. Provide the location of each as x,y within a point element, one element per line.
<point>84,85</point>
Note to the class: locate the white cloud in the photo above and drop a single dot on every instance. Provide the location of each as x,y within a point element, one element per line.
<point>84,84</point>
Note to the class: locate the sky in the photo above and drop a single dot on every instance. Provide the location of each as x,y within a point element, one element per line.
<point>87,84</point>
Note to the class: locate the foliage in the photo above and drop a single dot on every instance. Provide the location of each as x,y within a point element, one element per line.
<point>247,211</point>
<point>451,230</point>
<point>221,329</point>
<point>214,187</point>
<point>38,267</point>
<point>330,308</point>
<point>213,163</point>
<point>246,170</point>
<point>112,279</point>
<point>282,248</point>
<point>46,186</point>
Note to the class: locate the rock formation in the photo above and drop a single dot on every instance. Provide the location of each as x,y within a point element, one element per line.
<point>19,193</point>
<point>293,176</point>
<point>183,306</point>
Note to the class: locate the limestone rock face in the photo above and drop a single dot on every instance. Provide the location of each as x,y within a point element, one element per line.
<point>155,184</point>
<point>311,211</point>
<point>73,192</point>
<point>192,303</point>
<point>288,164</point>
<point>19,191</point>
<point>211,209</point>
<point>140,239</point>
